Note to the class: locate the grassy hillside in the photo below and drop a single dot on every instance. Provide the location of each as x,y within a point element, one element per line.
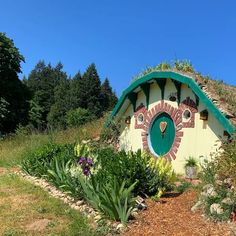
<point>12,149</point>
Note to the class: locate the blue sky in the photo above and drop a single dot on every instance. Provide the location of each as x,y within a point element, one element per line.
<point>123,37</point>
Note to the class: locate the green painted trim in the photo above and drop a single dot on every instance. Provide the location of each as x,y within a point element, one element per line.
<point>161,83</point>
<point>133,99</point>
<point>146,90</point>
<point>197,100</point>
<point>178,88</point>
<point>185,80</point>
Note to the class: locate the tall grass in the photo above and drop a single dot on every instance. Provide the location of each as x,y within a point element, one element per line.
<point>12,148</point>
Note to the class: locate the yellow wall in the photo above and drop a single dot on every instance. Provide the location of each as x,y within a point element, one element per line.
<point>199,142</point>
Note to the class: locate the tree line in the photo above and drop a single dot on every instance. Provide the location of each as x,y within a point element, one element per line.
<point>48,97</point>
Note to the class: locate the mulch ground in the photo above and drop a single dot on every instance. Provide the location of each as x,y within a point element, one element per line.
<point>173,216</point>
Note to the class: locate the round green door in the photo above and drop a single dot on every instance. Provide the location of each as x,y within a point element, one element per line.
<point>162,134</point>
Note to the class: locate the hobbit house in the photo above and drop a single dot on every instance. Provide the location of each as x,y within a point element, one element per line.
<point>172,114</point>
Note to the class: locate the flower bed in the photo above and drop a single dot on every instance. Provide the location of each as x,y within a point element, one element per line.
<point>109,181</point>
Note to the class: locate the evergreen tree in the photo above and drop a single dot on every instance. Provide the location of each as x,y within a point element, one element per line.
<point>12,91</point>
<point>109,98</point>
<point>35,115</point>
<point>42,82</point>
<point>62,104</point>
<point>76,91</point>
<point>90,91</point>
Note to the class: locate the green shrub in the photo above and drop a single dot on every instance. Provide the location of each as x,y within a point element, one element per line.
<point>112,199</point>
<point>36,162</point>
<point>55,163</point>
<point>219,181</point>
<point>133,167</point>
<point>78,117</point>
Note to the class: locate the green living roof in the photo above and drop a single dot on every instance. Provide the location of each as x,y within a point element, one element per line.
<point>185,79</point>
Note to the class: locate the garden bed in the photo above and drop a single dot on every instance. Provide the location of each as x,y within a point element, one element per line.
<point>173,216</point>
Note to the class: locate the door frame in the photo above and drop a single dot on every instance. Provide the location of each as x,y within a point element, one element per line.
<point>149,133</point>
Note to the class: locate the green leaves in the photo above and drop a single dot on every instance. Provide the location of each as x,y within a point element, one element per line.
<point>14,94</point>
<point>113,200</point>
<point>134,166</point>
<point>78,117</point>
<point>10,58</point>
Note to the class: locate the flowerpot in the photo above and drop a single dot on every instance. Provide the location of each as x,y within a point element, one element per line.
<point>191,172</point>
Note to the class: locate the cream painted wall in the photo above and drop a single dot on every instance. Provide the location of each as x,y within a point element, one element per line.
<point>199,142</point>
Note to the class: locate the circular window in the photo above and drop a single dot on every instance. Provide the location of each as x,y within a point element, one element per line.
<point>140,118</point>
<point>187,114</point>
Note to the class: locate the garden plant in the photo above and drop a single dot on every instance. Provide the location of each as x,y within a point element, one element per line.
<point>106,179</point>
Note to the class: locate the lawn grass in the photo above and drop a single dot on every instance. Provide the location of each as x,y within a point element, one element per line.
<point>23,204</point>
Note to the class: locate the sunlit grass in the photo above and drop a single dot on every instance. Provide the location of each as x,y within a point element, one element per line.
<point>22,204</point>
<point>12,149</point>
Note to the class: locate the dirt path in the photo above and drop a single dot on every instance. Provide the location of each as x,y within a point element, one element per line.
<point>173,217</point>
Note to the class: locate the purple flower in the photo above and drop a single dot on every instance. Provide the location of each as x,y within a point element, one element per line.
<point>82,160</point>
<point>90,161</point>
<point>86,171</point>
<point>86,164</point>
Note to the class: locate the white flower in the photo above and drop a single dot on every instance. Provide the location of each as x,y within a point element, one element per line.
<point>216,208</point>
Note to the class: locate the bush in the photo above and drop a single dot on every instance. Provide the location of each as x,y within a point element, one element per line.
<point>133,167</point>
<point>55,163</point>
<point>219,181</point>
<point>78,117</point>
<point>36,162</point>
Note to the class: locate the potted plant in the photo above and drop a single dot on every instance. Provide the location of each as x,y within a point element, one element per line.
<point>191,168</point>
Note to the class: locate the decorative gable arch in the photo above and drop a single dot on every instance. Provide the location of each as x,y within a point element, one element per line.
<point>130,94</point>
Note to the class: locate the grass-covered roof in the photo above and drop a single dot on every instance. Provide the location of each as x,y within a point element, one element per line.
<point>223,96</point>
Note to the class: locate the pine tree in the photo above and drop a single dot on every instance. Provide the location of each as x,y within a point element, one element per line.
<point>57,115</point>
<point>109,98</point>
<point>91,91</point>
<point>76,91</point>
<point>42,82</point>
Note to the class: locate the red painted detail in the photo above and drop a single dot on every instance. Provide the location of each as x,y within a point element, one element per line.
<point>168,157</point>
<point>176,115</point>
<point>179,134</point>
<point>144,134</point>
<point>141,109</point>
<point>190,105</point>
<point>172,155</point>
<point>179,127</point>
<point>162,105</point>
<point>153,112</point>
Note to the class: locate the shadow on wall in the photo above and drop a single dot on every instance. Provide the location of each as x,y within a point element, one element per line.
<point>124,140</point>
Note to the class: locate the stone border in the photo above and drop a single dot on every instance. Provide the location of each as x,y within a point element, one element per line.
<point>176,115</point>
<point>79,205</point>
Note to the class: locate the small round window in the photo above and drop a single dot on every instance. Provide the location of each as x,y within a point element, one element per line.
<point>187,114</point>
<point>140,118</point>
